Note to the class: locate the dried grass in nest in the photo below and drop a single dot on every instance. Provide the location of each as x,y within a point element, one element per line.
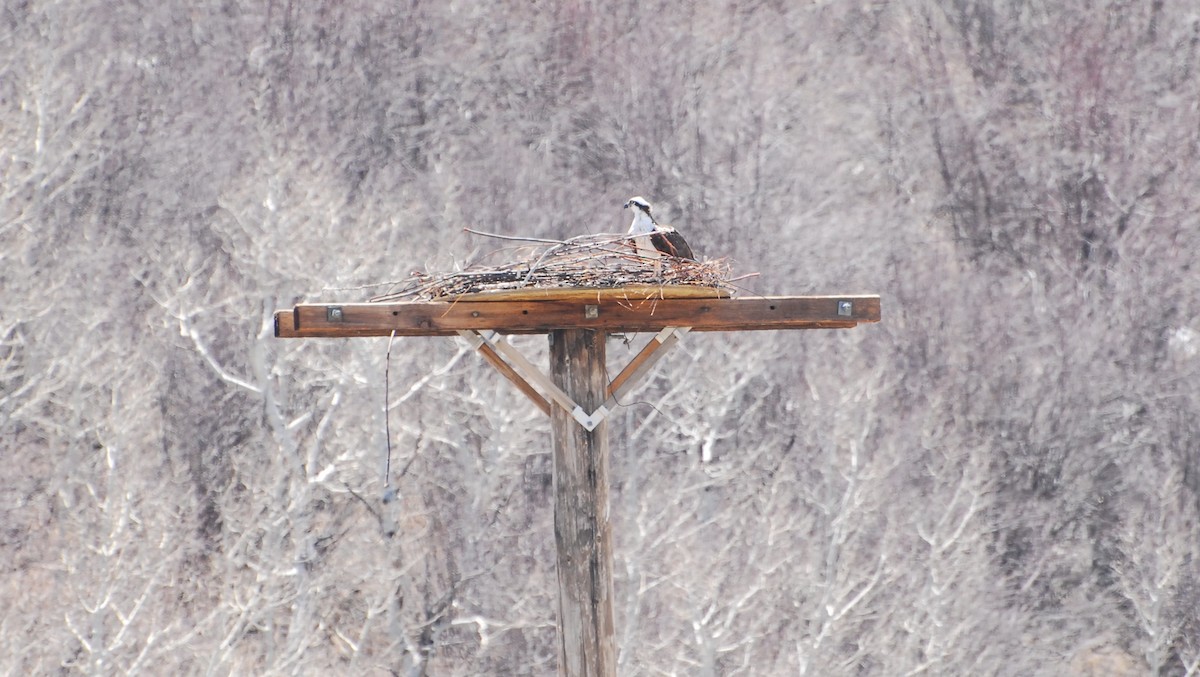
<point>587,261</point>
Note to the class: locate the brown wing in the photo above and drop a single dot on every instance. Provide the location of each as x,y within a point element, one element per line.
<point>671,243</point>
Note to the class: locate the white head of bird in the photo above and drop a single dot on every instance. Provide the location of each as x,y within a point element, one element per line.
<point>643,222</point>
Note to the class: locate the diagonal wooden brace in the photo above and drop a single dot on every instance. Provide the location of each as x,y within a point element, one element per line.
<point>641,363</point>
<point>489,353</point>
<point>517,368</point>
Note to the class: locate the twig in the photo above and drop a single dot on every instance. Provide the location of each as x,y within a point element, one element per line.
<point>551,250</point>
<point>513,237</point>
<point>593,260</point>
<point>743,277</point>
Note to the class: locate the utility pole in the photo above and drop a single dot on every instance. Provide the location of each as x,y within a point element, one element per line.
<point>586,642</point>
<point>578,398</point>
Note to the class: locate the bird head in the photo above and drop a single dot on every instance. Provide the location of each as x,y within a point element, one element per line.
<point>643,222</point>
<point>638,202</point>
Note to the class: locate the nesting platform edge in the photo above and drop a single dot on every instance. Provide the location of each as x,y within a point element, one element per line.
<point>611,314</point>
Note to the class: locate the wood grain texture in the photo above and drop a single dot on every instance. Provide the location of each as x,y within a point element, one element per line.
<point>611,315</point>
<point>285,324</point>
<point>489,353</point>
<point>635,365</point>
<point>582,534</point>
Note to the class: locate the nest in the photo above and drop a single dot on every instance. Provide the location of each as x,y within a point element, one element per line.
<point>592,261</point>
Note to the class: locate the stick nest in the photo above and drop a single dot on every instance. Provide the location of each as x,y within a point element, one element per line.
<point>586,261</point>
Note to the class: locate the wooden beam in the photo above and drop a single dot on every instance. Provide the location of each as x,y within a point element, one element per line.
<point>285,324</point>
<point>542,316</point>
<point>641,362</point>
<point>489,354</point>
<point>586,641</point>
<point>531,372</point>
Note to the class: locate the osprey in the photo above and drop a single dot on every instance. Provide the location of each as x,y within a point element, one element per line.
<point>660,238</point>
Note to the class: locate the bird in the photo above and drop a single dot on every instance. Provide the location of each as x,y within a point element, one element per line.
<point>651,237</point>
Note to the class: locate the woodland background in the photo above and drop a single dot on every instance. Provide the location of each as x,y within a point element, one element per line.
<point>1001,478</point>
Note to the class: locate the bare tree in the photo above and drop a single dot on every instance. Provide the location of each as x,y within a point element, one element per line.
<point>999,479</point>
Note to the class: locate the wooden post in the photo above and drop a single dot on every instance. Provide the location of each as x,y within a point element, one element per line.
<point>586,642</point>
<point>578,321</point>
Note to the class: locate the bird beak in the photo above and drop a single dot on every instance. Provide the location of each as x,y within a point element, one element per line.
<point>625,206</point>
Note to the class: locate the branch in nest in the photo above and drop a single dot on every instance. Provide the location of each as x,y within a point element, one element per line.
<point>603,260</point>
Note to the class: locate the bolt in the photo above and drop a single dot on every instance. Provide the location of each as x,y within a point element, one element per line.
<point>334,314</point>
<point>846,308</point>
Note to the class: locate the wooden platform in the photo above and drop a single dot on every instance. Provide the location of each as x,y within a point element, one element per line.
<point>536,311</point>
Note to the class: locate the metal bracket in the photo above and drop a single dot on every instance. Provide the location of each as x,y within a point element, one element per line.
<point>590,421</point>
<point>517,368</point>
